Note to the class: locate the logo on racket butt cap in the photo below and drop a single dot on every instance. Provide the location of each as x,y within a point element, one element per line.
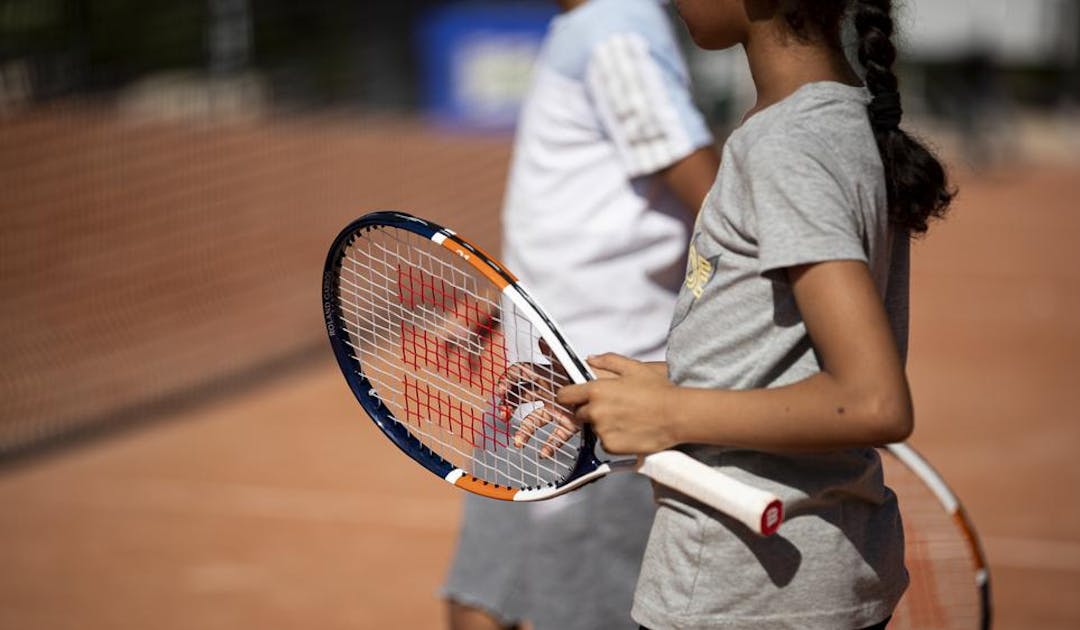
<point>772,518</point>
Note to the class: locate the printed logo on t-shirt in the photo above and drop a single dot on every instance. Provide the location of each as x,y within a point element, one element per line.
<point>699,271</point>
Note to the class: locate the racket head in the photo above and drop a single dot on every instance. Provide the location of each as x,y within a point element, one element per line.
<point>394,286</point>
<point>950,581</point>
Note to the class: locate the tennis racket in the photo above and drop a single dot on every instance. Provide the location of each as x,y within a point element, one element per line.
<point>950,583</point>
<point>432,335</point>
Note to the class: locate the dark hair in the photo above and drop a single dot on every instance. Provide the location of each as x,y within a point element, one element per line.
<point>918,189</point>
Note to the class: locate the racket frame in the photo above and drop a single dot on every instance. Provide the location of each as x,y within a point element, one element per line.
<point>587,467</point>
<point>950,503</point>
<point>761,511</point>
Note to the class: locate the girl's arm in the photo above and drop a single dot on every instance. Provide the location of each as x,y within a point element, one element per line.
<point>860,398</point>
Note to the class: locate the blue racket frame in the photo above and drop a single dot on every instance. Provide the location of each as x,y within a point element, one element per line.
<point>365,392</point>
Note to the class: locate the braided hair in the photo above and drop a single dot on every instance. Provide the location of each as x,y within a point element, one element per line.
<point>917,186</point>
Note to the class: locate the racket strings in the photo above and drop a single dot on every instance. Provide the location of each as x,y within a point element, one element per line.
<point>422,400</point>
<point>943,565</point>
<point>436,340</point>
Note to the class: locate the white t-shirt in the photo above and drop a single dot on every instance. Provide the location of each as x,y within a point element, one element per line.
<point>601,244</point>
<point>587,226</point>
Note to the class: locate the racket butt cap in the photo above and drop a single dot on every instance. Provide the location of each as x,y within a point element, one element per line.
<point>771,518</point>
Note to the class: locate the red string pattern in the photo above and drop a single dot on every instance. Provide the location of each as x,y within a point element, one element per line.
<point>466,347</point>
<point>425,404</point>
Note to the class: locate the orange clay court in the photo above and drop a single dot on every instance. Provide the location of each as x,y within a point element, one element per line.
<point>273,503</point>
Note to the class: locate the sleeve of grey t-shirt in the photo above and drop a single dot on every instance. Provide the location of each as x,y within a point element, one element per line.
<point>801,211</point>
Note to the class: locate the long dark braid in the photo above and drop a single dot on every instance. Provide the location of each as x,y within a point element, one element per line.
<point>917,186</point>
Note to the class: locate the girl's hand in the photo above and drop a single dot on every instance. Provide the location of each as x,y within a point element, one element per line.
<point>629,410</point>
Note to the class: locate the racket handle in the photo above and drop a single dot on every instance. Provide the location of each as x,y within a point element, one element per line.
<point>761,511</point>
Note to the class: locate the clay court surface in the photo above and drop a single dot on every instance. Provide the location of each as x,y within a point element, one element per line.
<point>273,503</point>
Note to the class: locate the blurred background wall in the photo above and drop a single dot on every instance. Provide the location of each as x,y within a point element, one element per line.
<point>157,134</point>
<point>404,56</point>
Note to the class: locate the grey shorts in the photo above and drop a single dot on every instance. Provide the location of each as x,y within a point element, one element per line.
<point>563,564</point>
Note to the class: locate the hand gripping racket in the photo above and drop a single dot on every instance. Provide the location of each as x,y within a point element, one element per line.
<point>426,328</point>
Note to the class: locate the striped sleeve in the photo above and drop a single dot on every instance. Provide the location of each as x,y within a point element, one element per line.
<point>644,103</point>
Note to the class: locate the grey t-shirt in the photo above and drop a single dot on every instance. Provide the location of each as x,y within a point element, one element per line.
<point>800,182</point>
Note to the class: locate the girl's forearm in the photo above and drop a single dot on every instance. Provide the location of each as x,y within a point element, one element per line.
<point>818,413</point>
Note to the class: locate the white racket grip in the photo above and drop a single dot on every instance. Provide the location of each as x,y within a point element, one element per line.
<point>761,511</point>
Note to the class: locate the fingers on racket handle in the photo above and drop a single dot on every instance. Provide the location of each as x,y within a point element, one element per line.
<point>761,511</point>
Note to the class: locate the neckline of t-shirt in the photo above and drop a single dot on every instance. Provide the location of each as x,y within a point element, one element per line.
<point>844,91</point>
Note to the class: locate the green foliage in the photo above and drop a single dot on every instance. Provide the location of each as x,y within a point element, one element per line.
<point>112,40</point>
<point>33,25</point>
<point>142,35</point>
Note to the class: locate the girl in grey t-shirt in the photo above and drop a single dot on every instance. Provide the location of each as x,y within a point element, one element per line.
<point>785,362</point>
